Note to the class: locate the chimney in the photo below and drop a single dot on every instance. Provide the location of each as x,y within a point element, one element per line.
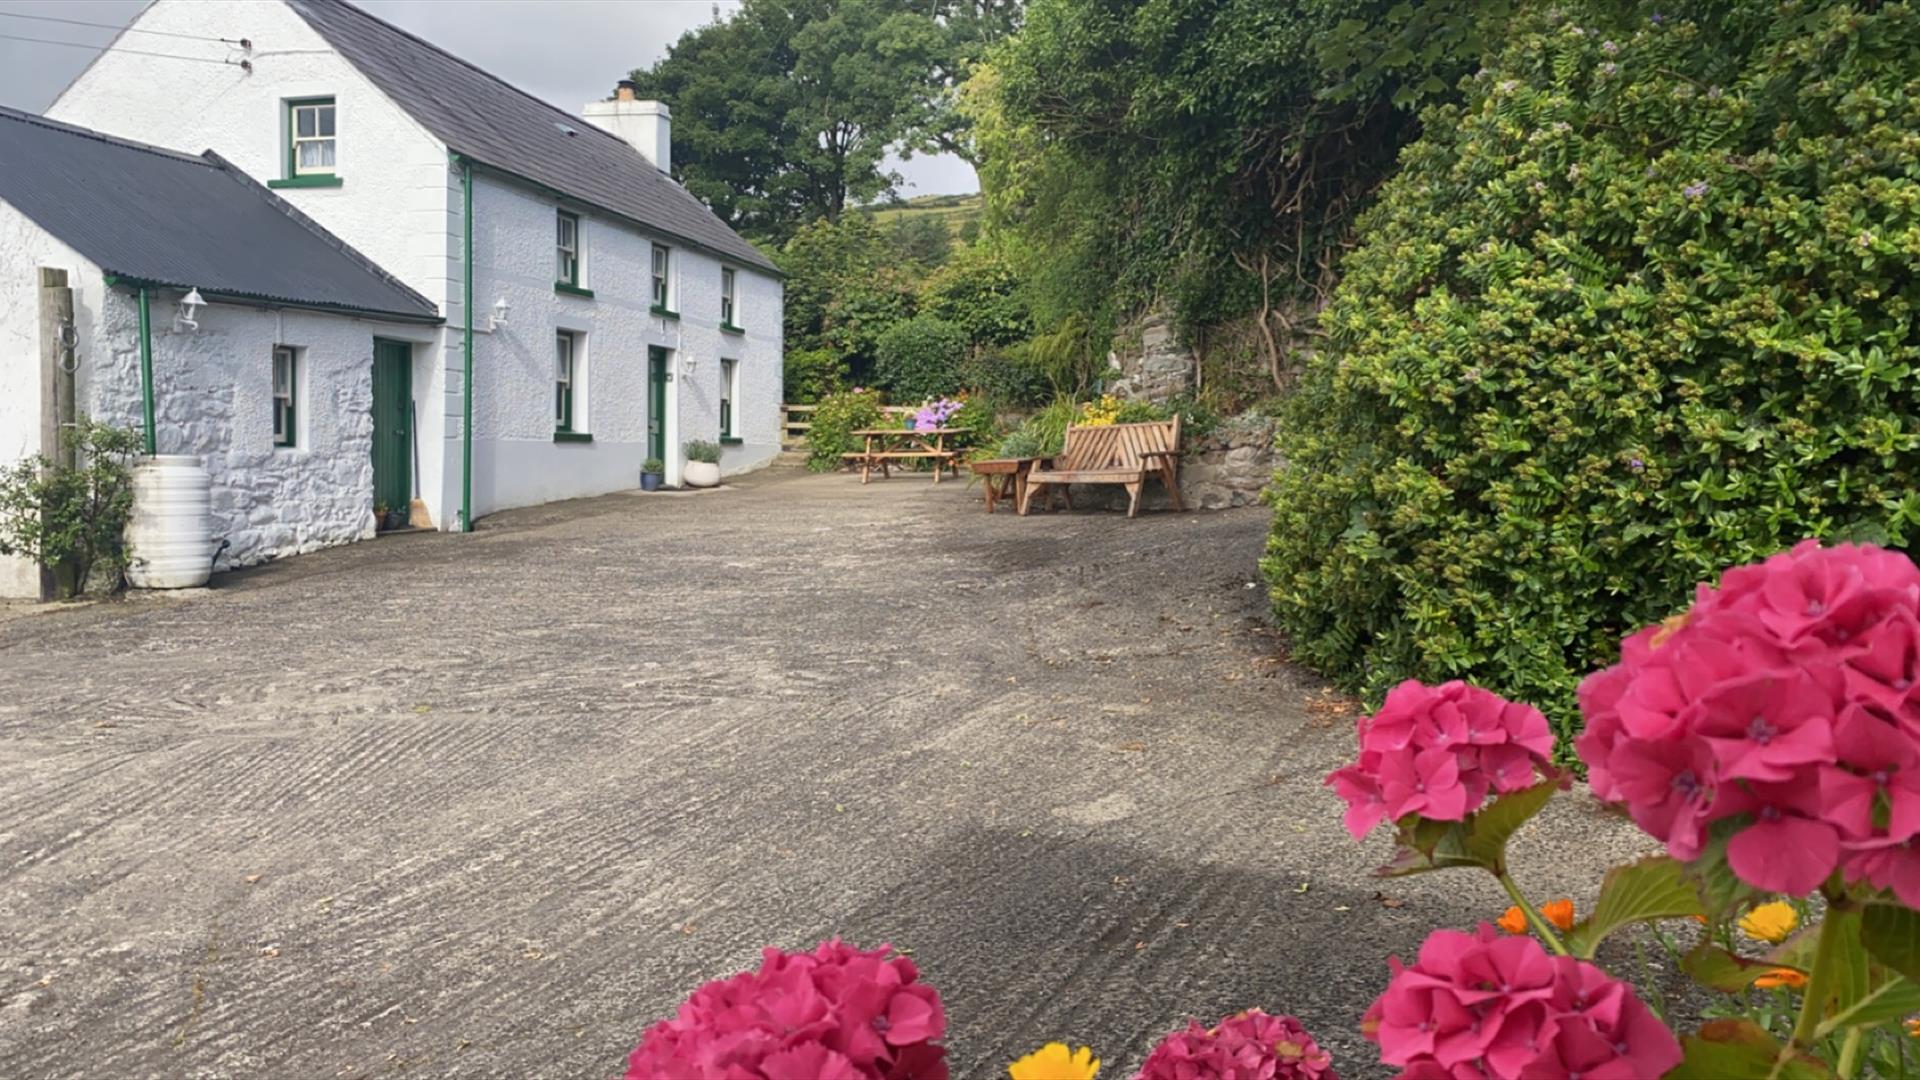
<point>647,126</point>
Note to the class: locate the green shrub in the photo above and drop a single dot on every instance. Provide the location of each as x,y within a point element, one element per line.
<point>1045,432</point>
<point>704,451</point>
<point>920,358</point>
<point>73,519</point>
<point>1022,442</point>
<point>1134,411</point>
<point>811,374</point>
<point>834,421</point>
<point>1641,308</point>
<point>1006,375</point>
<point>653,465</point>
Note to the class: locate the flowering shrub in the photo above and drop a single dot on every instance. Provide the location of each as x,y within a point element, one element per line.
<point>1250,1046</point>
<point>835,420</point>
<point>935,412</point>
<point>836,1013</point>
<point>1500,1006</point>
<point>1770,737</point>
<point>1099,412</point>
<point>1779,705</point>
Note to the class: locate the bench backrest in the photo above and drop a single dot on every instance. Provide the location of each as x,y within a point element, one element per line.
<point>1117,447</point>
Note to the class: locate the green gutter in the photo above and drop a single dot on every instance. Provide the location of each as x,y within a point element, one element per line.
<point>146,372</point>
<point>466,316</point>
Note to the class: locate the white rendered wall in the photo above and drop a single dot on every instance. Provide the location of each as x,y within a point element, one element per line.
<point>393,203</point>
<point>213,398</point>
<point>516,460</point>
<point>24,248</point>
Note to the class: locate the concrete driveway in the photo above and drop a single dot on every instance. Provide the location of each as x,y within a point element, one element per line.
<point>488,805</point>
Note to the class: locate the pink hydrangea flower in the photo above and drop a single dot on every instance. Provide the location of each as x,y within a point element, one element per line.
<point>1250,1046</point>
<point>1782,703</point>
<point>836,1013</point>
<point>1437,751</point>
<point>1495,1006</point>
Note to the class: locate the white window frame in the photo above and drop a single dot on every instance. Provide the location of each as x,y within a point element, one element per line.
<point>730,398</point>
<point>566,373</point>
<point>566,251</point>
<point>285,395</point>
<point>662,272</point>
<point>295,140</point>
<point>729,301</point>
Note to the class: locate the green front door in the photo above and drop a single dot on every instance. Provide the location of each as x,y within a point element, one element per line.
<point>392,423</point>
<point>657,402</point>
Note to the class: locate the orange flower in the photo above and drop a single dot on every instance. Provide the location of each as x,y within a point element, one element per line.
<point>1559,913</point>
<point>1786,977</point>
<point>1913,1026</point>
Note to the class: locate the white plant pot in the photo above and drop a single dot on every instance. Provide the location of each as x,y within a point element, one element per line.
<point>700,474</point>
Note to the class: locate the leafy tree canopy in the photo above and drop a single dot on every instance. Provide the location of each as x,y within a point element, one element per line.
<point>785,111</point>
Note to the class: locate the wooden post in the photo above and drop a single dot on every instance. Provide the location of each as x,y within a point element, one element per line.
<point>57,409</point>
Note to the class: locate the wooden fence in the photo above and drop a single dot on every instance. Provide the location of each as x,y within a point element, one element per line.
<point>795,420</point>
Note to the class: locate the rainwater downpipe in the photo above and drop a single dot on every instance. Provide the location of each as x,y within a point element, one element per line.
<point>466,346</point>
<point>146,373</point>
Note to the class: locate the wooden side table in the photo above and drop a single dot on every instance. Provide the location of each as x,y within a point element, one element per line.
<point>1005,478</point>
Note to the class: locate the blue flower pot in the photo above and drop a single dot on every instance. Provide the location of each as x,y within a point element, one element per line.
<point>649,481</point>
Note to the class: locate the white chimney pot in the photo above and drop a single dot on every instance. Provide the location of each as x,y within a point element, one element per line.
<point>647,126</point>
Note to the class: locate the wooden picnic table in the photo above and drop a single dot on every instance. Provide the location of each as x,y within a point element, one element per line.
<point>893,444</point>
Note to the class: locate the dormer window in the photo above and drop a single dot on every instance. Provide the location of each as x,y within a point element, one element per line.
<point>312,127</point>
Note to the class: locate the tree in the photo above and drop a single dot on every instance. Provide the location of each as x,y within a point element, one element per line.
<point>1210,151</point>
<point>844,287</point>
<point>785,111</point>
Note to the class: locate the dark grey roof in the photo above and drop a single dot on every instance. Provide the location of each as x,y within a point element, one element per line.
<point>166,218</point>
<point>497,124</point>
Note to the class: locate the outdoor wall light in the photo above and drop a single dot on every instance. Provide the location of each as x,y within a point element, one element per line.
<point>501,309</point>
<point>686,363</point>
<point>184,320</point>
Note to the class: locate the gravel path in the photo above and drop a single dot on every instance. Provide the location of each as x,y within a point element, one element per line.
<point>487,805</point>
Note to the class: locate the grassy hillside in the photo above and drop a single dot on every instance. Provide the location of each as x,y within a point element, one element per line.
<point>953,210</point>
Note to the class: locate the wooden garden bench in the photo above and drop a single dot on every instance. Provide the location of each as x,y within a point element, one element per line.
<point>1124,454</point>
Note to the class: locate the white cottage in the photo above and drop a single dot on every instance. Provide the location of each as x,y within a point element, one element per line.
<point>174,293</point>
<point>596,313</point>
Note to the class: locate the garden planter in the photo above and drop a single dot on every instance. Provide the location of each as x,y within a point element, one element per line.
<point>649,481</point>
<point>700,474</point>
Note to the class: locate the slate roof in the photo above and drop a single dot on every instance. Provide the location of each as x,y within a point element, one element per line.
<point>481,117</point>
<point>165,218</point>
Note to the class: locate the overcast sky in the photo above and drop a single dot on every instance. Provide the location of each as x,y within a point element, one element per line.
<point>569,52</point>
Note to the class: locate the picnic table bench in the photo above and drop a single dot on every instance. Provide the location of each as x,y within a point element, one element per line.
<point>1123,454</point>
<point>885,445</point>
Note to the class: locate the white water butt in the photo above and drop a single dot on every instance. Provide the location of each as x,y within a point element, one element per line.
<point>170,533</point>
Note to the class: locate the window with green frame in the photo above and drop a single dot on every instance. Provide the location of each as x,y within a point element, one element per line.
<point>286,373</point>
<point>311,137</point>
<point>565,350</point>
<point>566,269</point>
<point>729,374</point>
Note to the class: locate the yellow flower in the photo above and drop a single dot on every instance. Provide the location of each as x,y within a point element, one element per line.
<point>1786,977</point>
<point>1770,923</point>
<point>1055,1062</point>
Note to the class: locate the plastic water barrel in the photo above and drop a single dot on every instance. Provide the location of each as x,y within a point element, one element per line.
<point>170,533</point>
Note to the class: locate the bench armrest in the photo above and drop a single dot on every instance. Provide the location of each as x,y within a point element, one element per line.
<point>1160,453</point>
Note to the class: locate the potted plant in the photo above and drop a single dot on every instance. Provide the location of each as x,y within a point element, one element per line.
<point>651,470</point>
<point>703,464</point>
<point>380,517</point>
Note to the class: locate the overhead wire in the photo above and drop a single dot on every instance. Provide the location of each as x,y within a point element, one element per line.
<point>102,48</point>
<point>109,26</point>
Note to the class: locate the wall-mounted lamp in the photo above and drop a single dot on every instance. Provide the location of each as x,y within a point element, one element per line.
<point>501,309</point>
<point>686,363</point>
<point>184,320</point>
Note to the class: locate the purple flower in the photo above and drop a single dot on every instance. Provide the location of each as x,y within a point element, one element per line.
<point>1656,18</point>
<point>1637,465</point>
<point>1695,189</point>
<point>1609,68</point>
<point>1609,48</point>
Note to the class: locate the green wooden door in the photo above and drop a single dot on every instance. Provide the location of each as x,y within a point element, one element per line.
<point>657,402</point>
<point>392,423</point>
